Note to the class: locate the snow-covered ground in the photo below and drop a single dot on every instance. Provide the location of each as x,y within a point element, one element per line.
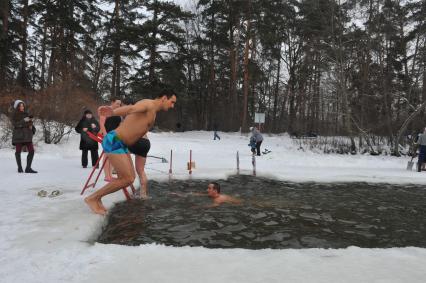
<point>52,239</point>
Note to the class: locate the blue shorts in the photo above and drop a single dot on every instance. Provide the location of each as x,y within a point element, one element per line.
<point>112,144</point>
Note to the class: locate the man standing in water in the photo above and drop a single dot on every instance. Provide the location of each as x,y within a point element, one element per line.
<point>139,119</point>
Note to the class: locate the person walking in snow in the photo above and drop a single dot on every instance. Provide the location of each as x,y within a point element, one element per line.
<point>421,142</point>
<point>88,123</point>
<point>256,140</point>
<point>23,131</point>
<point>215,129</point>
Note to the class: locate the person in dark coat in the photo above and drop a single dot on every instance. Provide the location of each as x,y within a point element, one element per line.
<point>215,129</point>
<point>88,124</point>
<point>257,137</point>
<point>23,131</point>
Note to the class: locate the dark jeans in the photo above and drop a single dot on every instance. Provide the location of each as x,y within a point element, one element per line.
<point>216,135</point>
<point>258,147</point>
<point>94,155</point>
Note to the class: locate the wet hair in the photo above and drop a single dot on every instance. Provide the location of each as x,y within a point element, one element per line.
<point>166,92</point>
<point>128,101</point>
<point>216,186</point>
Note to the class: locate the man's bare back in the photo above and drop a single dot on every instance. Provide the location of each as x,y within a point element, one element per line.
<point>225,199</point>
<point>139,119</point>
<point>137,124</point>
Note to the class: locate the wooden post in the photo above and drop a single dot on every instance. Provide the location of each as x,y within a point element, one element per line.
<point>238,163</point>
<point>190,161</point>
<point>253,162</point>
<point>171,161</point>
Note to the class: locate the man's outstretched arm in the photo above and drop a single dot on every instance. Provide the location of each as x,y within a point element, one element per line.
<point>122,111</point>
<point>107,111</point>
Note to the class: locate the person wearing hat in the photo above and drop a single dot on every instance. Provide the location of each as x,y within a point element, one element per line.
<point>23,131</point>
<point>88,123</point>
<point>256,140</point>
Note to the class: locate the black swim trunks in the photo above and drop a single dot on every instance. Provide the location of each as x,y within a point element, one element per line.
<point>141,147</point>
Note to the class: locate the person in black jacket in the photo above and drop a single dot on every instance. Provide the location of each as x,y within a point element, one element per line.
<point>88,124</point>
<point>23,131</point>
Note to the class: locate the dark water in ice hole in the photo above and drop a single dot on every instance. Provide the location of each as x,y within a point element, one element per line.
<point>275,214</point>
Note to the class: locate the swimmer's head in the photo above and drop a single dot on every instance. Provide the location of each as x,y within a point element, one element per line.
<point>213,189</point>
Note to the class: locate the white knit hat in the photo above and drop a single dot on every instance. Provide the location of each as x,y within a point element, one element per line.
<point>16,103</point>
<point>251,128</point>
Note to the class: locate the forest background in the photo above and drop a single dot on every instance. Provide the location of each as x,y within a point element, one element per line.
<point>354,68</point>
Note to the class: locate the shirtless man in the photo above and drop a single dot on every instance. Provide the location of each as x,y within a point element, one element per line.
<point>213,192</point>
<point>115,103</point>
<point>139,119</point>
<point>140,149</point>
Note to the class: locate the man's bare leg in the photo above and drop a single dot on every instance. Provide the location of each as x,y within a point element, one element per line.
<point>96,206</point>
<point>140,169</point>
<point>101,205</point>
<point>107,169</point>
<point>126,176</point>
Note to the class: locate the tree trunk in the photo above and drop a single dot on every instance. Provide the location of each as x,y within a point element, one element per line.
<point>23,76</point>
<point>276,90</point>
<point>153,48</point>
<point>233,77</point>
<point>246,81</point>
<point>52,60</point>
<point>115,83</point>
<point>100,59</point>
<point>43,57</point>
<point>4,39</point>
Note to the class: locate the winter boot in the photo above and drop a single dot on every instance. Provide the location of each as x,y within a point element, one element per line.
<point>18,161</point>
<point>30,157</point>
